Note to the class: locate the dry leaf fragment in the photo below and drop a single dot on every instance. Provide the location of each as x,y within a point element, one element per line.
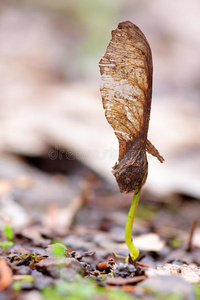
<point>5,275</point>
<point>124,281</point>
<point>126,70</point>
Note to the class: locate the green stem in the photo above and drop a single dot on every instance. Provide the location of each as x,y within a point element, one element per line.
<point>129,225</point>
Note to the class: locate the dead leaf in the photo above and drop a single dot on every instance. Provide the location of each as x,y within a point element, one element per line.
<point>149,242</point>
<point>190,273</point>
<point>5,275</point>
<point>126,70</point>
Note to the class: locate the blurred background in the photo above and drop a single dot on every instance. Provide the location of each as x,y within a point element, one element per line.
<point>57,149</point>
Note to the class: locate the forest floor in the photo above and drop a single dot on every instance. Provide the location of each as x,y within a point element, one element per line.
<point>51,258</point>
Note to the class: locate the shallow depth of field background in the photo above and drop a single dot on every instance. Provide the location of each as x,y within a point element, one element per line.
<point>53,133</point>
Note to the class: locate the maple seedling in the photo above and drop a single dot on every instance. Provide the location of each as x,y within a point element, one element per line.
<point>126,70</point>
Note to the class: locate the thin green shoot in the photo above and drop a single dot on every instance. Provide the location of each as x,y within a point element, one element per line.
<point>129,225</point>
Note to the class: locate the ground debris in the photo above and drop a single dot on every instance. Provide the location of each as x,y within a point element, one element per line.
<point>105,265</point>
<point>34,266</point>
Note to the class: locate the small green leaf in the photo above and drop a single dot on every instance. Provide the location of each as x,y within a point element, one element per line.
<point>175,243</point>
<point>5,245</point>
<point>197,290</point>
<point>8,232</point>
<point>17,285</point>
<point>58,250</point>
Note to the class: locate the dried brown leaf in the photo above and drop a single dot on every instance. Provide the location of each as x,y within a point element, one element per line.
<point>126,70</point>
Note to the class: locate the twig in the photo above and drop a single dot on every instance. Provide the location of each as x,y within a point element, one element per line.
<point>142,265</point>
